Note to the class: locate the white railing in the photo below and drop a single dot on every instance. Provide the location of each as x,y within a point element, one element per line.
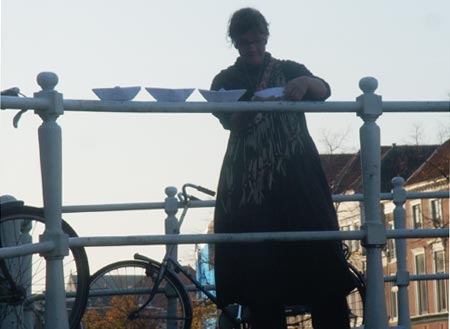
<point>49,105</point>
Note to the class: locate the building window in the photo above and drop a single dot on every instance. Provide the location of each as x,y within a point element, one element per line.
<point>417,216</point>
<point>390,245</point>
<point>441,285</point>
<point>436,212</point>
<point>393,296</point>
<point>421,285</point>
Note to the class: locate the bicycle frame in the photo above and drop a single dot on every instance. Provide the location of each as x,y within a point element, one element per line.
<point>198,285</point>
<point>171,263</point>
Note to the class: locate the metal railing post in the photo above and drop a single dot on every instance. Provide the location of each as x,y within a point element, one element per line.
<point>50,147</point>
<point>375,239</point>
<point>171,223</point>
<point>402,276</point>
<point>171,227</point>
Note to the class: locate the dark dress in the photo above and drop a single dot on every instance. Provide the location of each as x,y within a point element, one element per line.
<point>272,180</point>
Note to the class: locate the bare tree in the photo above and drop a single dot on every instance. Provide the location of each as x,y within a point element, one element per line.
<point>417,134</point>
<point>333,141</point>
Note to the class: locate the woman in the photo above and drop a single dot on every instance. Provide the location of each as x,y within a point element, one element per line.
<point>272,180</point>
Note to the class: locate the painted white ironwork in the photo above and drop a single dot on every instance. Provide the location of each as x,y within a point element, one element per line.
<point>50,147</point>
<point>53,245</point>
<point>375,237</point>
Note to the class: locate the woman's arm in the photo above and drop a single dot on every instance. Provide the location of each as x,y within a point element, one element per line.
<point>306,87</point>
<point>236,121</point>
<point>302,84</point>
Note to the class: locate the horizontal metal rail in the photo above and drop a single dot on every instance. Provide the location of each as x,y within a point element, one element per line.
<point>26,249</point>
<point>124,207</point>
<point>207,107</point>
<point>19,103</point>
<point>103,241</point>
<point>419,277</point>
<point>218,238</point>
<point>211,287</point>
<point>11,102</point>
<point>416,106</point>
<point>37,297</point>
<point>417,233</point>
<point>211,203</point>
<point>123,291</point>
<point>427,195</point>
<point>135,240</point>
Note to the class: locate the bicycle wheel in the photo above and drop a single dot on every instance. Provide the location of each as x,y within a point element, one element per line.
<point>300,316</point>
<point>22,225</point>
<point>120,288</point>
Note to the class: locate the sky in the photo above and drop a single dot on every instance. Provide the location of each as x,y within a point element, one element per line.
<point>117,158</point>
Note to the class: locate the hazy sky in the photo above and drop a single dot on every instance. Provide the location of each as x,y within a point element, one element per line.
<point>112,158</point>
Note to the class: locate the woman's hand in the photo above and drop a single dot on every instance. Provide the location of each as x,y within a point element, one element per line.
<point>296,89</point>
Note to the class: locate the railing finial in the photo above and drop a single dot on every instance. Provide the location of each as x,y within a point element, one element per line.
<point>170,191</point>
<point>397,181</point>
<point>47,80</point>
<point>399,193</point>
<point>368,85</point>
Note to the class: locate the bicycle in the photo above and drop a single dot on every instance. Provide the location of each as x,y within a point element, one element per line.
<point>144,293</point>
<point>23,278</point>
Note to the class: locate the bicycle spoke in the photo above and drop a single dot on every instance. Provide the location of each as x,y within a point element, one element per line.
<point>121,288</point>
<point>23,226</point>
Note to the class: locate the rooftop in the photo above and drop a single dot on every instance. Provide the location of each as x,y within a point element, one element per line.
<point>343,171</point>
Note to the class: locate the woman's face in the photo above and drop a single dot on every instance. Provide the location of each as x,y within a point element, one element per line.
<point>252,47</point>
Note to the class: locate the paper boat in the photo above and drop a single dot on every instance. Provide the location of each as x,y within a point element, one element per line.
<point>277,92</point>
<point>222,95</point>
<point>116,93</point>
<point>170,95</point>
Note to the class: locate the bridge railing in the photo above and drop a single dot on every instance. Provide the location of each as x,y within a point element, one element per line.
<point>49,105</point>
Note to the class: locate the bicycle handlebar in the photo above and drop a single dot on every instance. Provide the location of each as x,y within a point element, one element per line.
<point>206,191</point>
<point>198,188</point>
<point>14,91</point>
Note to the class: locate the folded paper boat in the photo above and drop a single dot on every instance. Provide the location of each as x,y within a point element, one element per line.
<point>170,95</point>
<point>277,92</point>
<point>222,95</point>
<point>116,93</point>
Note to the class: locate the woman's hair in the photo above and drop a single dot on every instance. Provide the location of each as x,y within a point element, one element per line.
<point>244,20</point>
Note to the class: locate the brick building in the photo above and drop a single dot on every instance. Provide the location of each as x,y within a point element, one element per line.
<point>343,172</point>
<point>425,169</point>
<point>428,300</point>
